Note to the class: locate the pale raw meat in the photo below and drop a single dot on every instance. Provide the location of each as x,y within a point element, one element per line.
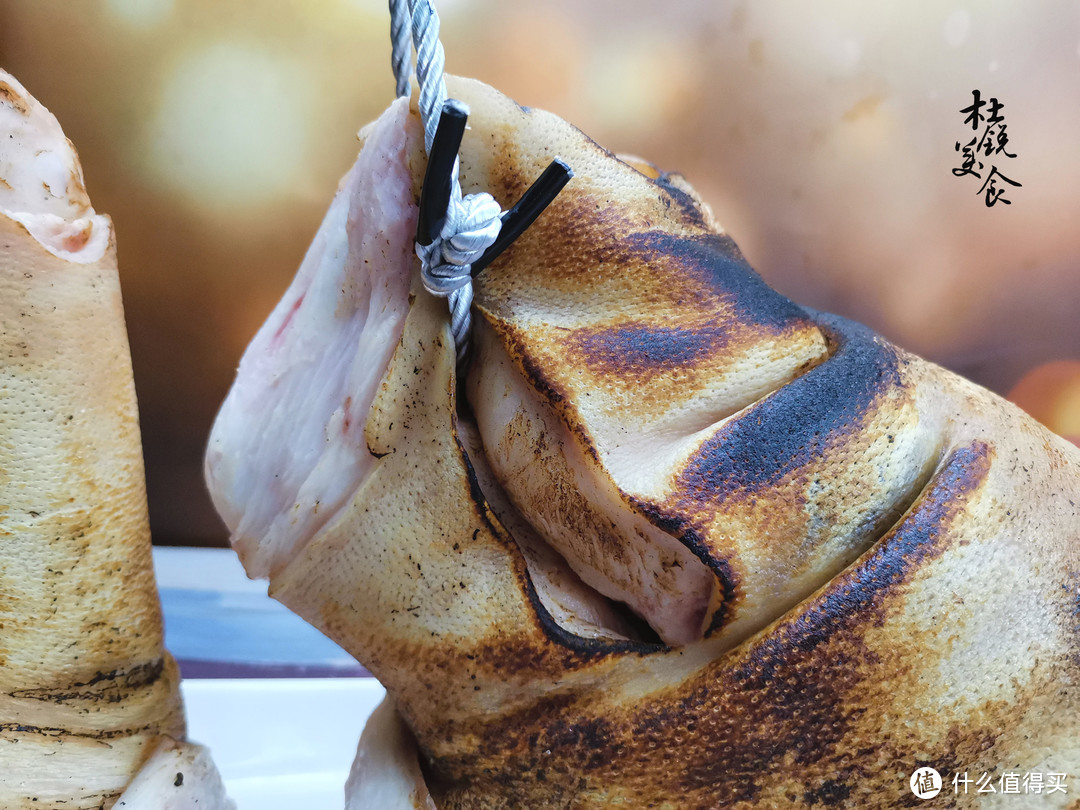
<point>288,449</point>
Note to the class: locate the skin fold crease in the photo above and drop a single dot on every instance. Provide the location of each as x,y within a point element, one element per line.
<point>854,561</point>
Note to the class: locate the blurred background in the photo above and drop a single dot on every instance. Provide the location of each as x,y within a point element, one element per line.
<point>822,133</point>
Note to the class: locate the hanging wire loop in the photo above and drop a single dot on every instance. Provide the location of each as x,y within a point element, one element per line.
<point>457,235</point>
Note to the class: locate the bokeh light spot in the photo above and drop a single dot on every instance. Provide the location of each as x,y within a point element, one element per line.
<point>232,127</point>
<point>143,14</point>
<point>1051,393</point>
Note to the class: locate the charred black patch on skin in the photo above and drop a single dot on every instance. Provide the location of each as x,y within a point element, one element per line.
<point>725,574</point>
<point>550,783</point>
<point>918,537</point>
<point>721,568</point>
<point>645,351</point>
<point>831,793</point>
<point>584,240</point>
<point>686,204</point>
<point>108,686</point>
<point>716,261</point>
<point>798,423</point>
<point>793,680</point>
<point>787,703</point>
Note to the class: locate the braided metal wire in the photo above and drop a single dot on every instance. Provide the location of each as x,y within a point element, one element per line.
<point>401,45</point>
<point>472,222</point>
<point>430,67</point>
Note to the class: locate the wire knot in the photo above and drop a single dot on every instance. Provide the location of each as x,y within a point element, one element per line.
<point>456,236</point>
<point>472,225</point>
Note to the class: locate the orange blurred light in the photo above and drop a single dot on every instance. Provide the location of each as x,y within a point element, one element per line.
<point>1051,394</point>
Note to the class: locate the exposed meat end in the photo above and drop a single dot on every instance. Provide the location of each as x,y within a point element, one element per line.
<point>287,450</point>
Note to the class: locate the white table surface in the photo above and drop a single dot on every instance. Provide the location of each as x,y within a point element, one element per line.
<point>280,743</point>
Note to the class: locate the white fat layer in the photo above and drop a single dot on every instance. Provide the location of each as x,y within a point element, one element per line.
<point>41,183</point>
<point>39,170</point>
<point>287,450</point>
<point>53,171</point>
<point>81,241</point>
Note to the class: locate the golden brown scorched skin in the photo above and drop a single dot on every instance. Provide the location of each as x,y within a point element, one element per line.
<point>88,693</point>
<point>932,530</point>
<point>85,683</point>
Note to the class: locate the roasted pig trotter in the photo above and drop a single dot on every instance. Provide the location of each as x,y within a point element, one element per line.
<point>686,545</point>
<point>88,693</point>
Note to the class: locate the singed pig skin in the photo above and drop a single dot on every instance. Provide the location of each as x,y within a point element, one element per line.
<point>576,508</point>
<point>87,689</point>
<point>895,550</point>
